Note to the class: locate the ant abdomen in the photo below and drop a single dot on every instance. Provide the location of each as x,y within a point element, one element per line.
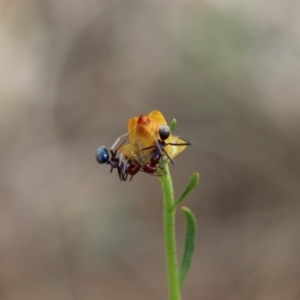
<point>148,168</point>
<point>133,167</point>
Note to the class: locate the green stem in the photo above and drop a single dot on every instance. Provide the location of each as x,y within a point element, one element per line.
<point>169,231</point>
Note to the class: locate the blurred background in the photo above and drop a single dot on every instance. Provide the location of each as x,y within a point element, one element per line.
<point>71,75</point>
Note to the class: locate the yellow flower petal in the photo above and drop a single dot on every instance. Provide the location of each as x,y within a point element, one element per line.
<point>129,150</point>
<point>131,124</point>
<point>143,133</point>
<point>157,116</point>
<point>175,150</point>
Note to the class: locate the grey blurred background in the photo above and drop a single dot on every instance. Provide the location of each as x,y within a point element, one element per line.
<point>71,75</point>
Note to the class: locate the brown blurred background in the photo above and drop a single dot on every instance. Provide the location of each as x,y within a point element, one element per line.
<point>71,75</point>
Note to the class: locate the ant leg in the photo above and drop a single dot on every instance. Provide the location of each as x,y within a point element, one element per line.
<point>150,153</point>
<point>123,176</point>
<point>114,153</point>
<point>148,147</point>
<point>122,164</point>
<point>158,146</point>
<point>160,149</point>
<point>187,143</point>
<point>180,144</point>
<point>118,140</point>
<point>169,157</point>
<point>121,159</point>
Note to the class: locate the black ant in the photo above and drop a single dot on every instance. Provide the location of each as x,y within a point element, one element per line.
<point>157,153</point>
<point>159,149</point>
<point>125,168</point>
<point>128,166</point>
<point>132,168</point>
<point>102,156</point>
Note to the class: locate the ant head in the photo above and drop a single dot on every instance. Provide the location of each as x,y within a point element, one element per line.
<point>102,155</point>
<point>164,132</point>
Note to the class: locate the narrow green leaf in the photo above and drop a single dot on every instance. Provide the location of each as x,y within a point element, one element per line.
<point>173,125</point>
<point>189,245</point>
<point>192,184</point>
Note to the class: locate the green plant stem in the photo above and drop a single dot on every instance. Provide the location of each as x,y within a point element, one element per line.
<point>169,232</point>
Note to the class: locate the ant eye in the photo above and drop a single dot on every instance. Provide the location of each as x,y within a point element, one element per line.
<point>164,132</point>
<point>102,155</point>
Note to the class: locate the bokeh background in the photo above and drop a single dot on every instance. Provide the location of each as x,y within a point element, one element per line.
<point>71,75</point>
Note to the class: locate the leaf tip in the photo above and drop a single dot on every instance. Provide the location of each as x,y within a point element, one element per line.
<point>195,179</point>
<point>173,125</point>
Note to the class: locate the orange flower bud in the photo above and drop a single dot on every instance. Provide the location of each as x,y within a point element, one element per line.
<point>143,133</point>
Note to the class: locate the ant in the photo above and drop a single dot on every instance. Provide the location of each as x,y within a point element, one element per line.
<point>159,149</point>
<point>102,156</point>
<point>131,166</point>
<point>125,168</point>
